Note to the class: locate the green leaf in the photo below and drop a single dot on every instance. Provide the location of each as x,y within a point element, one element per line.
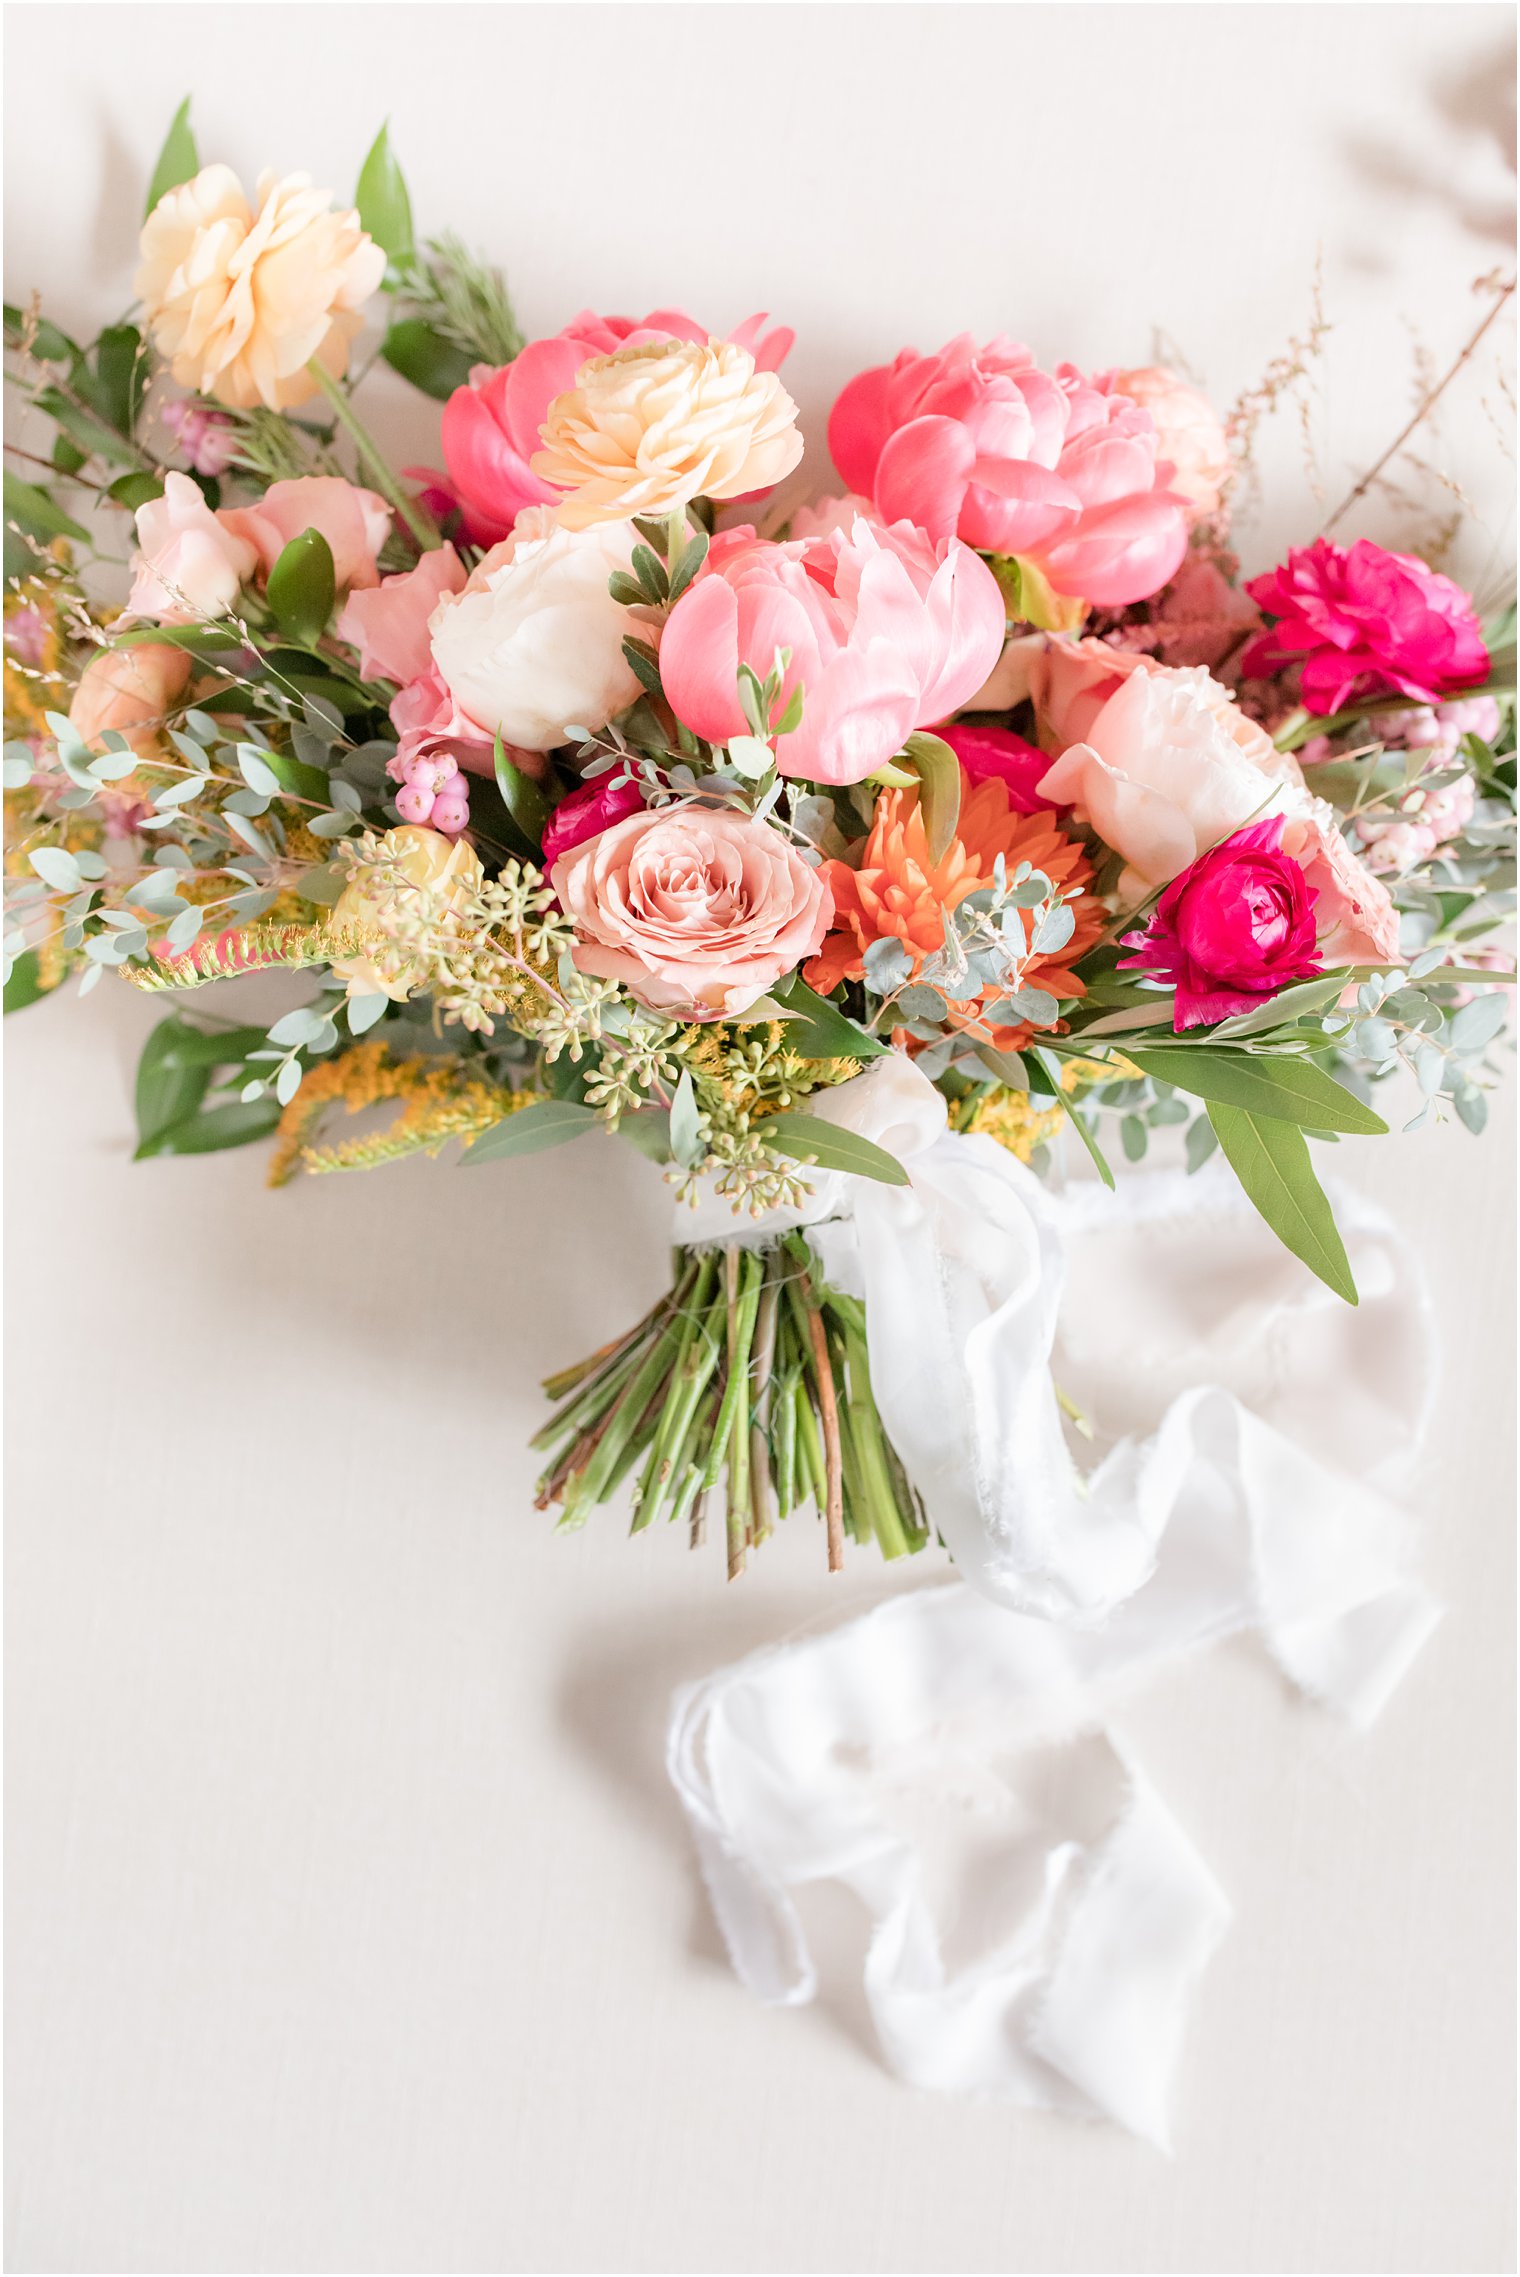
<point>211,1047</point>
<point>385,209</point>
<point>1050,1068</point>
<point>302,588</point>
<point>523,799</point>
<point>1289,1090</point>
<point>178,161</point>
<point>48,344</point>
<point>121,374</point>
<point>34,511</point>
<point>819,1029</point>
<point>685,1132</point>
<point>168,1087</point>
<point>134,490</point>
<point>25,984</point>
<point>236,1124</point>
<point>425,358</point>
<point>94,435</point>
<point>939,795</point>
<point>1271,1160</point>
<point>644,664</point>
<point>805,1136</point>
<point>1305,996</point>
<point>528,1130</point>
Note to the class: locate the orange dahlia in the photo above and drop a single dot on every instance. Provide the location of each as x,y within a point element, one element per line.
<point>897,892</point>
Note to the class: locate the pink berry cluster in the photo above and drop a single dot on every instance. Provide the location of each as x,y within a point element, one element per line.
<point>433,790</point>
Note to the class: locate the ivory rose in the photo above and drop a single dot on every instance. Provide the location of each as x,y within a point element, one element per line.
<point>388,622</point>
<point>697,911</point>
<point>887,633</point>
<point>533,645</point>
<point>1189,437</point>
<point>1046,465</point>
<point>129,690</point>
<point>190,564</point>
<point>490,428</point>
<point>355,523</point>
<point>647,429</point>
<point>240,302</point>
<point>426,859</point>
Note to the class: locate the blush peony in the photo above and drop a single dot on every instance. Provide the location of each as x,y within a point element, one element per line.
<point>241,302</point>
<point>1362,622</point>
<point>1189,436</point>
<point>697,911</point>
<point>647,429</point>
<point>980,443</point>
<point>887,633</point>
<point>1236,926</point>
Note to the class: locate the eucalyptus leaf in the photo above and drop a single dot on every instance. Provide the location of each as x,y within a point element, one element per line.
<point>809,1137</point>
<point>529,1130</point>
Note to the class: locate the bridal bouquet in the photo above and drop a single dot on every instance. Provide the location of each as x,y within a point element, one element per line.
<point>598,780</point>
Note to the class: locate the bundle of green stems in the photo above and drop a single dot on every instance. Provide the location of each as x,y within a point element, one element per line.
<point>750,1376</point>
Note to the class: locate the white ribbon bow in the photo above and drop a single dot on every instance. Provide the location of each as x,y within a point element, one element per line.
<point>839,1757</point>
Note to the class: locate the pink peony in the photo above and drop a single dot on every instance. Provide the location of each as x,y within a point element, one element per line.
<point>1358,924</point>
<point>490,428</point>
<point>697,911</point>
<point>980,443</point>
<point>388,622</point>
<point>1365,623</point>
<point>586,813</point>
<point>355,523</point>
<point>1188,434</point>
<point>888,632</point>
<point>998,754</point>
<point>1237,925</point>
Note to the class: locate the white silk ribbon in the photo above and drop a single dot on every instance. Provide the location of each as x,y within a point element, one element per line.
<point>1057,1972</point>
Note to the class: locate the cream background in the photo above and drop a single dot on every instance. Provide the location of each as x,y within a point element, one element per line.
<point>350,1923</point>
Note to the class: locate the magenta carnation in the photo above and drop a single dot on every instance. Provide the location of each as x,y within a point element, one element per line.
<point>999,754</point>
<point>586,813</point>
<point>1365,622</point>
<point>1237,925</point>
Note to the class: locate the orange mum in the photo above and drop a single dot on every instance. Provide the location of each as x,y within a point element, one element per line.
<point>898,893</point>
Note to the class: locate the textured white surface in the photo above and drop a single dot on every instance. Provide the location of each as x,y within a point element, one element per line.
<point>350,1922</point>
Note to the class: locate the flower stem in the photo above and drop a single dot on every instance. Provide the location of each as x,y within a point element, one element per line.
<point>419,523</point>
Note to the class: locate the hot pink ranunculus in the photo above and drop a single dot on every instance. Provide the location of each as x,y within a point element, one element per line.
<point>1363,622</point>
<point>1237,925</point>
<point>388,622</point>
<point>490,428</point>
<point>888,632</point>
<point>586,813</point>
<point>980,443</point>
<point>697,911</point>
<point>997,753</point>
<point>355,522</point>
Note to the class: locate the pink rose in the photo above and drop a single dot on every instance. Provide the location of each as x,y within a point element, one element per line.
<point>1358,924</point>
<point>1167,766</point>
<point>1188,434</point>
<point>355,523</point>
<point>490,428</point>
<point>428,721</point>
<point>697,911</point>
<point>388,622</point>
<point>887,631</point>
<point>980,443</point>
<point>586,813</point>
<point>1006,758</point>
<point>1237,925</point>
<point>1365,623</point>
<point>191,563</point>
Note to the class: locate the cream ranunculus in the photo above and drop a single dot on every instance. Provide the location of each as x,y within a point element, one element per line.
<point>426,860</point>
<point>240,302</point>
<point>649,428</point>
<point>534,643</point>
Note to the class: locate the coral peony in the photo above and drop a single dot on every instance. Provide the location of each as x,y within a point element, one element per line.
<point>897,893</point>
<point>887,633</point>
<point>490,428</point>
<point>697,911</point>
<point>586,813</point>
<point>1363,622</point>
<point>1048,466</point>
<point>355,523</point>
<point>997,754</point>
<point>191,563</point>
<point>1189,436</point>
<point>388,622</point>
<point>1237,925</point>
<point>241,303</point>
<point>647,429</point>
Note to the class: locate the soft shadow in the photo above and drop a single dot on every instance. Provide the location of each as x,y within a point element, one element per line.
<point>1474,102</point>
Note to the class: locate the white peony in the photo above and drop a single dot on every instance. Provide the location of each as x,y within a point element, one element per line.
<point>534,643</point>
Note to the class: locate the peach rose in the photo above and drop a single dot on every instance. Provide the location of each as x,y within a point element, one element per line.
<point>697,911</point>
<point>649,428</point>
<point>130,690</point>
<point>426,858</point>
<point>355,523</point>
<point>1188,433</point>
<point>241,302</point>
<point>1354,915</point>
<point>190,564</point>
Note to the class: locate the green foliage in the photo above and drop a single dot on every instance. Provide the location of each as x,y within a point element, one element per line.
<point>178,1067</point>
<point>939,789</point>
<point>302,588</point>
<point>178,160</point>
<point>808,1138</point>
<point>23,984</point>
<point>421,354</point>
<point>1294,1090</point>
<point>523,799</point>
<point>1271,1159</point>
<point>384,207</point>
<point>548,1122</point>
<point>817,1028</point>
